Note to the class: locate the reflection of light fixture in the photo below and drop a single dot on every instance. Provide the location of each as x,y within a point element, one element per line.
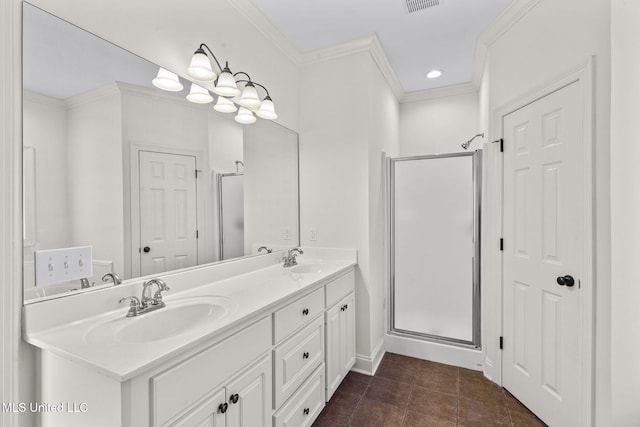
<point>225,105</point>
<point>226,86</point>
<point>245,116</point>
<point>166,80</point>
<point>199,95</point>
<point>433,74</point>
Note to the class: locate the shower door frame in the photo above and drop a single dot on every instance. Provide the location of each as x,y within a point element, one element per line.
<point>476,174</point>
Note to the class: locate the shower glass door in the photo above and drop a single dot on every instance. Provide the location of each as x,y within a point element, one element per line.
<point>435,257</point>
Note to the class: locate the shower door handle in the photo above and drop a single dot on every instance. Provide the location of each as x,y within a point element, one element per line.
<point>567,281</point>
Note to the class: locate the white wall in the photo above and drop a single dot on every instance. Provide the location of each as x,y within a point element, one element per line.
<point>95,146</point>
<point>553,40</point>
<point>439,125</point>
<point>45,129</point>
<point>341,142</point>
<point>625,212</point>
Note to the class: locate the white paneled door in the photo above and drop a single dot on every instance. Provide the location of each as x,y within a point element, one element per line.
<point>168,216</point>
<point>543,203</point>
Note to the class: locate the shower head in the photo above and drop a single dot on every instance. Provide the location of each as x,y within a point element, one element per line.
<point>465,145</point>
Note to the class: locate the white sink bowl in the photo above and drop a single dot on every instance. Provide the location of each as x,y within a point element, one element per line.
<point>306,269</point>
<point>180,315</point>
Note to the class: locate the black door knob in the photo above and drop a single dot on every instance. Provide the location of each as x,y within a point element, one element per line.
<point>146,249</point>
<point>223,408</point>
<point>566,281</point>
<point>234,398</point>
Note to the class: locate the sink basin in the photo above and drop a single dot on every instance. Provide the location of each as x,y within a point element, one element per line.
<point>306,269</point>
<point>179,316</point>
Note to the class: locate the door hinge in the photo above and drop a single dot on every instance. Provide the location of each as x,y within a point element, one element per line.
<point>197,234</point>
<point>501,141</point>
<point>197,172</point>
<point>501,343</point>
<point>501,244</point>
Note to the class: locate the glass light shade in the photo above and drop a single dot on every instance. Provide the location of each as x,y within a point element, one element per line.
<point>226,85</point>
<point>249,97</point>
<point>267,110</point>
<point>199,95</point>
<point>166,80</point>
<point>200,67</point>
<point>434,74</point>
<point>245,116</point>
<point>225,106</point>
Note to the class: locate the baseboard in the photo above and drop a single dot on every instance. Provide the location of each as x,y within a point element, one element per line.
<point>368,365</point>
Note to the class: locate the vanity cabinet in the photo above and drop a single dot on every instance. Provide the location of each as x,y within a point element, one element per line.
<point>340,323</point>
<point>244,402</point>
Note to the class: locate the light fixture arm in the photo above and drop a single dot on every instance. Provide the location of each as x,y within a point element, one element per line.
<point>212,54</point>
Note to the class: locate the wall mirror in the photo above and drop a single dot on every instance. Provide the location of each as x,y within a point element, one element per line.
<point>150,181</point>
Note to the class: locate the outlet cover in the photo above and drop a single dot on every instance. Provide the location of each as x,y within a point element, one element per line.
<point>63,265</point>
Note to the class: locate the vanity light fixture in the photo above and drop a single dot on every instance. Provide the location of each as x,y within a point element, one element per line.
<point>225,86</point>
<point>167,80</point>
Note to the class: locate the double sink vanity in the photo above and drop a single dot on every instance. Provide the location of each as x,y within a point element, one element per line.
<point>244,343</point>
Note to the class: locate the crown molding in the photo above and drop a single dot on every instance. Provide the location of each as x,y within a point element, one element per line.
<point>507,19</point>
<point>47,100</point>
<point>271,33</point>
<point>440,92</point>
<point>93,95</point>
<point>369,44</point>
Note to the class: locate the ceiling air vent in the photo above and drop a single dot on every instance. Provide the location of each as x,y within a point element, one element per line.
<point>418,5</point>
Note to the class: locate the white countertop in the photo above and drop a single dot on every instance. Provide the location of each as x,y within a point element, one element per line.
<point>250,295</point>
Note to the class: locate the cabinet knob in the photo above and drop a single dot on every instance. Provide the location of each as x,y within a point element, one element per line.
<point>223,408</point>
<point>305,411</point>
<point>305,312</point>
<point>566,281</point>
<point>234,398</point>
<point>146,249</point>
<point>305,355</point>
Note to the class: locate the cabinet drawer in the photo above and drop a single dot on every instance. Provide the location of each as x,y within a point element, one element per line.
<point>295,359</point>
<point>297,314</point>
<point>305,405</point>
<point>339,288</point>
<point>182,385</point>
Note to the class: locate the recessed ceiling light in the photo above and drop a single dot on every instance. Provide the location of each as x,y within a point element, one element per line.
<point>434,74</point>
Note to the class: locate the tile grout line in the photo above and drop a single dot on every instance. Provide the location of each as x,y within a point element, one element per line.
<point>355,409</point>
<point>406,408</point>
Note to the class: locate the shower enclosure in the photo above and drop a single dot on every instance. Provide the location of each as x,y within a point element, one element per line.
<point>434,242</point>
<point>231,215</point>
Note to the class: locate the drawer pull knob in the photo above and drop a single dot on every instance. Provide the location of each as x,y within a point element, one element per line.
<point>223,408</point>
<point>234,398</point>
<point>306,411</point>
<point>305,355</point>
<point>305,312</point>
<point>346,306</point>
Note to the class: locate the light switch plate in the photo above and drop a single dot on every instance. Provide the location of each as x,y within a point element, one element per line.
<point>286,233</point>
<point>63,265</point>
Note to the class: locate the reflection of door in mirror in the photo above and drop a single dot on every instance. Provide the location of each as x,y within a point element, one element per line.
<point>168,212</point>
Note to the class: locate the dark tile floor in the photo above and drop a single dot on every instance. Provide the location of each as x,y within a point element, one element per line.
<point>408,392</point>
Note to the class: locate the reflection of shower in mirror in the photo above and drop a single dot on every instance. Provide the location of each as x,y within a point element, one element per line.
<point>238,163</point>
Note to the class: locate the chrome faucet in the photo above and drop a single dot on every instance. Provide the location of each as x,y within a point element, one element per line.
<point>147,303</point>
<point>265,248</point>
<point>290,258</point>
<point>114,278</point>
<point>84,283</point>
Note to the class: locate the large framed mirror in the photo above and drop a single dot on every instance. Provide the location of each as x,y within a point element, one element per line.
<point>148,180</point>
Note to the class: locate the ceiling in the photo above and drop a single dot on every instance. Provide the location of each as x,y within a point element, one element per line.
<point>439,37</point>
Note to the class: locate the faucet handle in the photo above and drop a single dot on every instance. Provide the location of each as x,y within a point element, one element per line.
<point>134,306</point>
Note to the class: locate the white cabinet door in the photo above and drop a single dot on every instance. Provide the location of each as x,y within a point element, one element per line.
<point>340,342</point>
<point>332,349</point>
<point>348,329</point>
<point>249,397</point>
<point>208,414</point>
